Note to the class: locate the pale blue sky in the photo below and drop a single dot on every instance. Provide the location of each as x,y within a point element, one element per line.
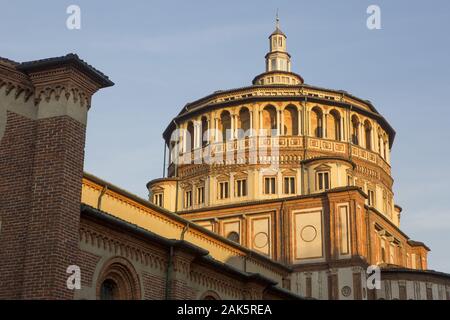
<point>163,54</point>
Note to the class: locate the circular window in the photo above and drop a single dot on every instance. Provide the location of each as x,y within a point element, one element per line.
<point>308,233</point>
<point>233,236</point>
<point>260,240</point>
<point>346,291</point>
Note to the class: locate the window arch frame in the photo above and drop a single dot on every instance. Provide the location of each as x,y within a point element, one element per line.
<point>318,131</point>
<point>355,122</point>
<point>120,271</point>
<point>293,112</point>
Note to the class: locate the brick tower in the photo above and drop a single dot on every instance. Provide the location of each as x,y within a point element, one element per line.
<point>43,113</point>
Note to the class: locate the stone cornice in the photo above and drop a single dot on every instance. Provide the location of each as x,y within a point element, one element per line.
<point>299,94</point>
<point>67,76</point>
<point>52,78</point>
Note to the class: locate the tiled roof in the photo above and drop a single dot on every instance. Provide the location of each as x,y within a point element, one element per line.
<point>278,31</point>
<point>71,57</point>
<point>8,61</point>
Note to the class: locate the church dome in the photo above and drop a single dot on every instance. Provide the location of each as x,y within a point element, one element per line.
<point>277,138</point>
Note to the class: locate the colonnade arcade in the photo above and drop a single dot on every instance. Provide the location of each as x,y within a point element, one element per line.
<point>289,119</point>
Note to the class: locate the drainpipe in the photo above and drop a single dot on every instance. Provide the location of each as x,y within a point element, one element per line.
<point>102,193</point>
<point>350,137</point>
<point>170,262</point>
<point>349,132</point>
<point>164,161</point>
<point>169,273</point>
<point>282,235</point>
<point>176,169</point>
<point>185,229</point>
<point>247,256</point>
<point>305,145</point>
<point>369,237</point>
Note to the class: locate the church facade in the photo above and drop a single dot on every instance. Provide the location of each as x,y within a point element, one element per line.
<point>278,190</point>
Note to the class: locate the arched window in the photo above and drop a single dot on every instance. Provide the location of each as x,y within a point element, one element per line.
<point>210,295</point>
<point>190,137</point>
<point>225,125</point>
<point>355,130</point>
<point>118,280</point>
<point>244,123</point>
<point>269,119</point>
<point>334,125</point>
<point>233,236</point>
<point>368,134</point>
<point>317,122</point>
<point>109,290</point>
<point>290,121</point>
<point>205,138</point>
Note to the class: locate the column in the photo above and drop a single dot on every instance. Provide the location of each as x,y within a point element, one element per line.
<point>372,139</point>
<point>251,123</point>
<point>232,126</point>
<point>196,127</point>
<point>361,134</point>
<point>278,122</point>
<point>216,128</point>
<point>208,130</point>
<point>261,125</point>
<point>299,120</point>
<point>183,142</point>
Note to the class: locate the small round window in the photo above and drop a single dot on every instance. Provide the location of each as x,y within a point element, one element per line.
<point>233,236</point>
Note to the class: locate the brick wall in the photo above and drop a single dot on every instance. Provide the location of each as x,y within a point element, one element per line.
<point>41,168</point>
<point>16,158</point>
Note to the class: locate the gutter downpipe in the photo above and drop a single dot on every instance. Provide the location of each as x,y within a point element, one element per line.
<point>176,167</point>
<point>282,240</point>
<point>169,273</point>
<point>99,200</point>
<point>369,243</point>
<point>164,161</point>
<point>185,229</point>
<point>170,262</point>
<point>305,145</point>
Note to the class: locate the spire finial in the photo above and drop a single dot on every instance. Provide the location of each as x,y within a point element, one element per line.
<point>277,23</point>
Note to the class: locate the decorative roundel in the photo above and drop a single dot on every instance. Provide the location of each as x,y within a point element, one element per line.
<point>260,240</point>
<point>308,233</point>
<point>346,291</point>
